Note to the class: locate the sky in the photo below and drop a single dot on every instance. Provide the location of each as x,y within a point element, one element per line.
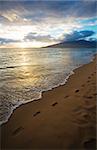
<point>39,23</point>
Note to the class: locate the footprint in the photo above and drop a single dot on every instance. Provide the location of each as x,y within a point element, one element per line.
<point>83,85</point>
<point>89,97</point>
<point>54,104</point>
<point>90,144</point>
<point>66,96</point>
<point>92,74</point>
<point>93,83</point>
<point>76,91</point>
<point>38,112</point>
<point>95,94</point>
<point>82,119</point>
<point>89,77</point>
<point>18,130</point>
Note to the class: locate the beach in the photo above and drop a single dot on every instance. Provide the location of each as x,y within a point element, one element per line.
<point>64,118</point>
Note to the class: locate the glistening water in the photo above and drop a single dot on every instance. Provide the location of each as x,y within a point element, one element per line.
<point>25,73</point>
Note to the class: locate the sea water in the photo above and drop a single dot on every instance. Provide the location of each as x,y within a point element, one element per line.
<point>26,73</point>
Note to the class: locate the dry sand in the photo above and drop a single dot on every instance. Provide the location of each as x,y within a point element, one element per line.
<point>65,117</point>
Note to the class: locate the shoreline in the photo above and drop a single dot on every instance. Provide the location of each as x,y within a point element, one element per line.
<point>49,89</point>
<point>48,100</point>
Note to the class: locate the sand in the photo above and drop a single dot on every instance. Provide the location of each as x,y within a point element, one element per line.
<point>64,118</point>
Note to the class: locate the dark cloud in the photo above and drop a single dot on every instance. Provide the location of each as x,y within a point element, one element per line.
<point>30,36</point>
<point>78,35</point>
<point>5,41</point>
<point>40,9</point>
<point>34,36</point>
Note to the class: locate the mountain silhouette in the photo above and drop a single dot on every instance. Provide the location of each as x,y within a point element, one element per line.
<point>75,44</point>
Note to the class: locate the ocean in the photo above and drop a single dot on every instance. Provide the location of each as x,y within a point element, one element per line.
<point>26,73</point>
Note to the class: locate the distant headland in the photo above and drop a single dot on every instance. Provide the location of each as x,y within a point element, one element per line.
<point>74,44</point>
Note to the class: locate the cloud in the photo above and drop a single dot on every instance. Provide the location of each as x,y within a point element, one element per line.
<point>6,41</point>
<point>78,35</point>
<point>40,10</point>
<point>46,21</point>
<point>41,38</point>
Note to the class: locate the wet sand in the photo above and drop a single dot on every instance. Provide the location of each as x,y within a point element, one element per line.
<point>65,117</point>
